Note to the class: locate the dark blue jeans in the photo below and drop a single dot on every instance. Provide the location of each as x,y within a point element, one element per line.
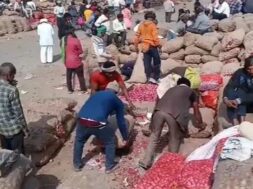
<point>106,134</point>
<point>152,63</point>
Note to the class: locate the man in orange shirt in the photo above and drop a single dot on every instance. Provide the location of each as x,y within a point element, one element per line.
<point>148,42</point>
<point>100,80</point>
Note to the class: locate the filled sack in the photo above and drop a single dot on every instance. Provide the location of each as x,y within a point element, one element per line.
<point>206,42</point>
<point>233,39</point>
<point>193,50</point>
<point>193,59</point>
<point>179,55</point>
<point>233,53</point>
<point>190,38</point>
<point>213,67</point>
<point>173,45</point>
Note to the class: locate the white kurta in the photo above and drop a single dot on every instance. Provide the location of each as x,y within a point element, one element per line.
<point>46,32</point>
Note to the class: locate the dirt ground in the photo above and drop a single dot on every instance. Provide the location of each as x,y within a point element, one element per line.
<point>42,83</point>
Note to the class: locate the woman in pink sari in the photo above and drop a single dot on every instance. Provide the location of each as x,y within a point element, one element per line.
<point>127,16</point>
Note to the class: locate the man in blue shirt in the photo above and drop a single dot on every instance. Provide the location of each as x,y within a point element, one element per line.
<point>92,120</point>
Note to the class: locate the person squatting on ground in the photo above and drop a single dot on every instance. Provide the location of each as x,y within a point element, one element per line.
<point>119,31</point>
<point>92,120</point>
<point>147,37</point>
<point>173,109</point>
<point>46,32</point>
<point>108,73</point>
<point>73,60</point>
<point>13,126</point>
<point>238,93</point>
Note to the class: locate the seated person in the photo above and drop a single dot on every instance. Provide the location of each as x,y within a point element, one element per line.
<point>235,6</point>
<point>30,7</point>
<point>247,6</point>
<point>119,31</point>
<point>201,24</point>
<point>99,45</point>
<point>222,12</point>
<point>179,29</point>
<point>238,94</point>
<point>108,73</point>
<point>173,109</point>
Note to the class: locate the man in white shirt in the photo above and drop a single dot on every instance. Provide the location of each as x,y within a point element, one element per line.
<point>99,45</point>
<point>103,20</point>
<point>59,12</point>
<point>223,10</point>
<point>119,31</point>
<point>46,32</point>
<point>169,8</point>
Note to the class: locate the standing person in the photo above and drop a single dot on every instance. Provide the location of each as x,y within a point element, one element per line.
<point>235,6</point>
<point>100,80</point>
<point>72,10</point>
<point>223,10</point>
<point>64,25</point>
<point>169,8</point>
<point>73,61</point>
<point>119,31</point>
<point>46,32</point>
<point>173,109</point>
<point>92,120</point>
<point>59,12</point>
<point>147,36</point>
<point>127,14</point>
<point>13,126</point>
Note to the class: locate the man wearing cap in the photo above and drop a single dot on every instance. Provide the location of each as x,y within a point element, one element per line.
<point>108,73</point>
<point>46,32</point>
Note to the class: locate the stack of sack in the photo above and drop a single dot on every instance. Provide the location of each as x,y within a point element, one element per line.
<point>13,24</point>
<point>46,7</point>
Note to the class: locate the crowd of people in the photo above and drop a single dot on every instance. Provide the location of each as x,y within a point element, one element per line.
<point>109,26</point>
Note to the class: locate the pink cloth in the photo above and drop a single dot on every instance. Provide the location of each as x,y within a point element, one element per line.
<point>127,17</point>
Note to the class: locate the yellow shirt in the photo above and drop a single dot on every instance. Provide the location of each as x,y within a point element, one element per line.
<point>87,14</point>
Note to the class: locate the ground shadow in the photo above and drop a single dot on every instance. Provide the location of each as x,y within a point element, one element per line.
<point>56,57</point>
<point>48,181</point>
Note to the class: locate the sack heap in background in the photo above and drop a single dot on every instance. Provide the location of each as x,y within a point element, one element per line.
<point>13,24</point>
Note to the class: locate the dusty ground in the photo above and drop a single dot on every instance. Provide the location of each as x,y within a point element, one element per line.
<point>47,82</point>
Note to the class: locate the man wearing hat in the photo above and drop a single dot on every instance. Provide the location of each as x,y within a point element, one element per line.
<point>46,32</point>
<point>108,73</point>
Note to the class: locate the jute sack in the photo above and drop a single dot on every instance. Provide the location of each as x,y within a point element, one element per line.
<point>233,53</point>
<point>173,45</point>
<point>138,75</point>
<point>190,38</point>
<point>233,39</point>
<point>248,44</point>
<point>179,55</point>
<point>208,58</point>
<point>213,67</point>
<point>206,42</point>
<point>241,24</point>
<point>218,35</point>
<point>193,50</point>
<point>230,68</point>
<point>16,175</point>
<point>226,25</point>
<point>193,59</point>
<point>169,64</point>
<point>164,56</point>
<point>216,49</point>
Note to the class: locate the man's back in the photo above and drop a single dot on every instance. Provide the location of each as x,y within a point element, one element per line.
<point>45,32</point>
<point>11,113</point>
<point>100,105</point>
<point>177,102</point>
